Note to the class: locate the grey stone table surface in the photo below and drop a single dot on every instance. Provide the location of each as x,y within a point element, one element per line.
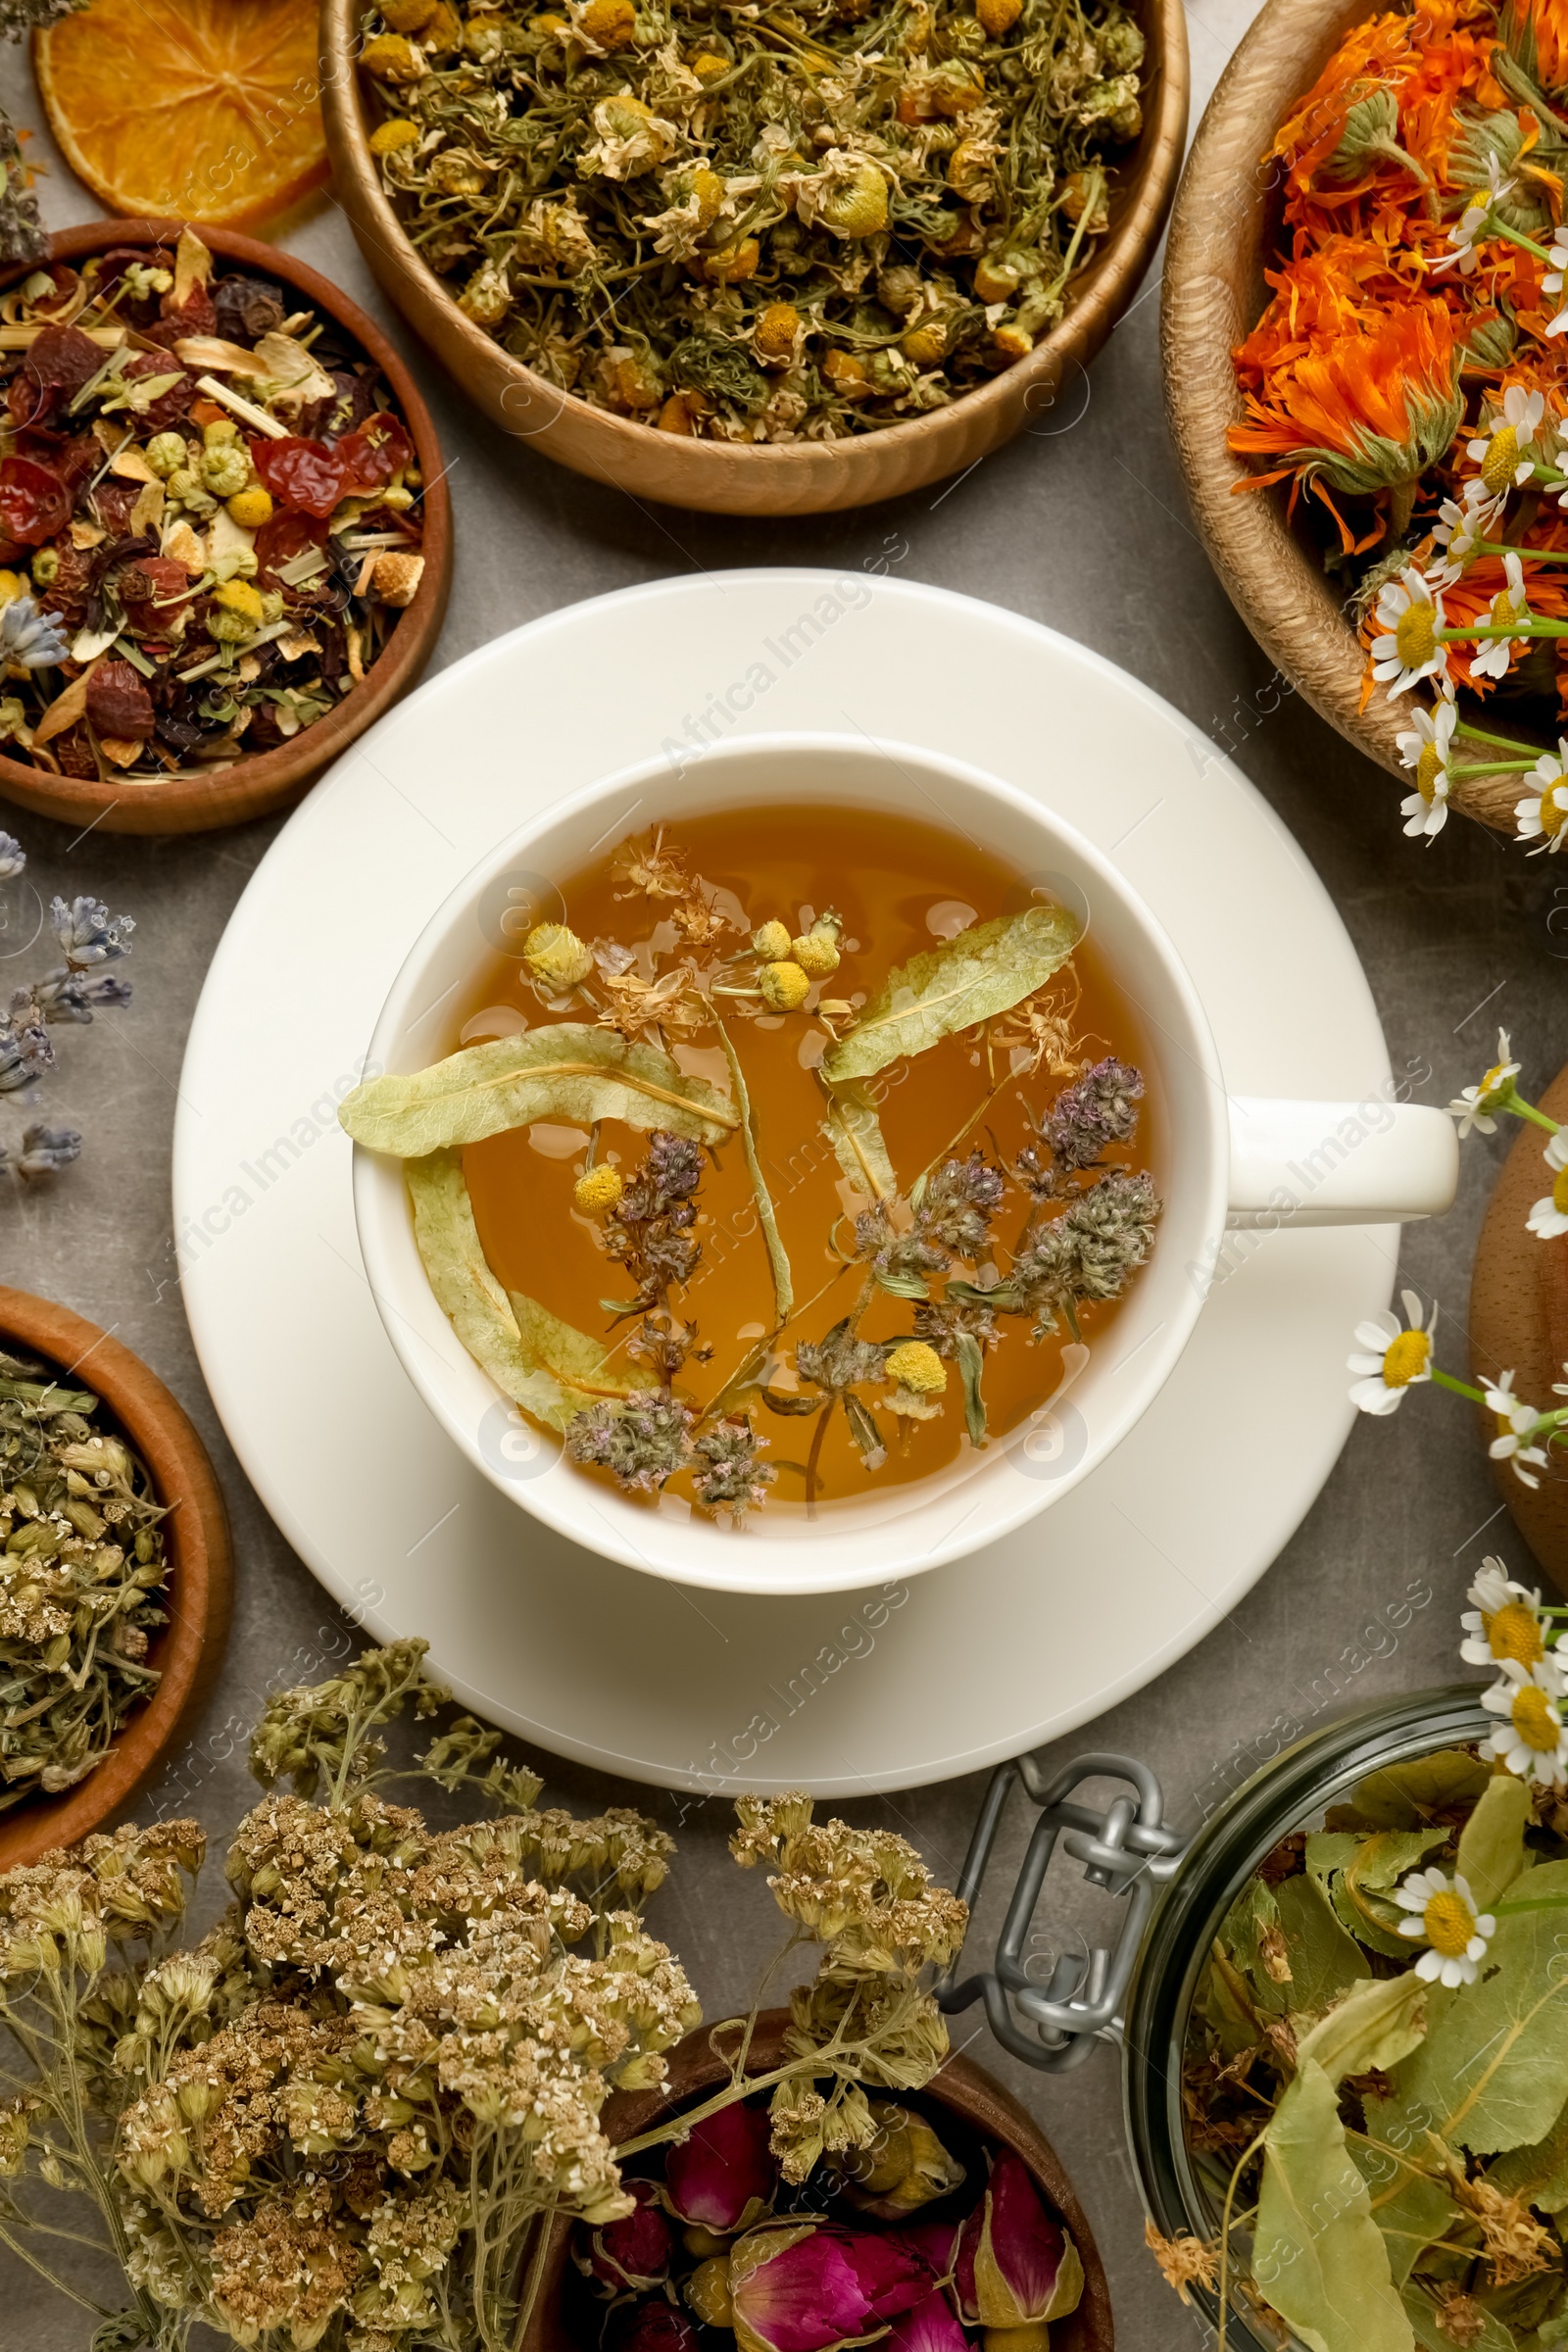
<point>1085,529</point>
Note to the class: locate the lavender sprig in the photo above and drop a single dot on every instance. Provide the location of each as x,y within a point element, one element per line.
<point>90,938</point>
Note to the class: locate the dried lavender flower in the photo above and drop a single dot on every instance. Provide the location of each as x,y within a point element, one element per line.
<point>88,933</point>
<point>22,237</point>
<point>46,1150</point>
<point>35,639</point>
<point>25,1052</point>
<point>13,857</point>
<point>644,1440</point>
<point>958,1204</point>
<point>67,995</point>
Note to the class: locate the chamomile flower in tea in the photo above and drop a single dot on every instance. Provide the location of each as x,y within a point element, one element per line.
<point>209,516</point>
<point>757,223</point>
<point>784,1162</point>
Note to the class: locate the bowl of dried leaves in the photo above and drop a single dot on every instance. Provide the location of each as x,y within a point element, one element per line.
<point>761,262</point>
<point>114,1574</point>
<point>412,2070</point>
<point>225,542</point>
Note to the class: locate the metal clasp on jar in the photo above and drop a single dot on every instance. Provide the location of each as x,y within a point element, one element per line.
<point>1127,1847</point>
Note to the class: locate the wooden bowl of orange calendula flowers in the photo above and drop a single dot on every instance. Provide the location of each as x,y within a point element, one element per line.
<point>762,400</point>
<point>1345,308</point>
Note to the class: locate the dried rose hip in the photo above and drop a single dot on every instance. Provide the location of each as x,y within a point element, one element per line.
<point>168,405</point>
<point>154,581</point>
<point>72,753</point>
<point>373,453</point>
<point>195,315</point>
<point>285,535</point>
<point>61,360</point>
<point>118,703</point>
<point>113,501</point>
<point>35,503</point>
<point>305,475</point>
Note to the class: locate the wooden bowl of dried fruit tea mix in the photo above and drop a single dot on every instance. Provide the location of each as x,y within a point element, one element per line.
<point>225,542</point>
<point>114,1576</point>
<point>769,261</point>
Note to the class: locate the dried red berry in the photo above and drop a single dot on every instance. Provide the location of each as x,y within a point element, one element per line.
<point>283,536</point>
<point>154,581</point>
<point>60,361</point>
<point>35,503</point>
<point>168,405</point>
<point>374,451</point>
<point>305,475</point>
<point>118,703</point>
<point>113,501</point>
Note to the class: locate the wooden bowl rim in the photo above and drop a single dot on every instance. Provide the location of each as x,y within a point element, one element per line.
<point>251,787</point>
<point>1267,570</point>
<point>974,2094</point>
<point>1133,232</point>
<point>190,1647</point>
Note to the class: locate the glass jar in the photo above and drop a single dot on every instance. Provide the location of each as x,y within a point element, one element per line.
<point>1140,1991</point>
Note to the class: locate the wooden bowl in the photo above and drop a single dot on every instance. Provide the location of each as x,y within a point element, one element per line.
<point>971,2095</point>
<point>797,479</point>
<point>1223,230</point>
<point>1519,1322</point>
<point>189,1649</point>
<point>271,779</point>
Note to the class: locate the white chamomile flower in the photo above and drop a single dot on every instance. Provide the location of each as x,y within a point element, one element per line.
<point>1505,1621</point>
<point>1444,1917</point>
<point>1424,746</point>
<point>1545,811</point>
<point>1461,527</point>
<point>1475,1105</point>
<point>1530,1739</point>
<point>1549,1217</point>
<point>1552,282</point>
<point>1409,614</point>
<point>1493,656</point>
<point>1465,230</point>
<point>1505,447</point>
<point>1516,1423</point>
<point>1396,1357</point>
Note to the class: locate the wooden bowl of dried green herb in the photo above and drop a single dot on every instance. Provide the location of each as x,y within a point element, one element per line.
<point>184,648</point>
<point>774,262</point>
<point>96,1459</point>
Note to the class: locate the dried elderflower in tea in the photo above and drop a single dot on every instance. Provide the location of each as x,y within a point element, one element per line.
<point>763,1201</point>
<point>210,517</point>
<point>757,224</point>
<point>82,1565</point>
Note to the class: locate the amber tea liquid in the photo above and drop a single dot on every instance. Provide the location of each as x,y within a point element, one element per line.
<point>901,886</point>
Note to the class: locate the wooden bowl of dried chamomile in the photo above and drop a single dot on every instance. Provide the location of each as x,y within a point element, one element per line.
<point>113,1547</point>
<point>769,266</point>
<point>224,541</point>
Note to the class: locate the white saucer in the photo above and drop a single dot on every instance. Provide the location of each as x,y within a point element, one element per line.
<point>841,1694</point>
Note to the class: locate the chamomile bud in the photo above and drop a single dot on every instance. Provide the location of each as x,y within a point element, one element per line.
<point>166,453</point>
<point>771,941</point>
<point>785,986</point>
<point>916,1366</point>
<point>601,1188</point>
<point>817,952</point>
<point>556,956</point>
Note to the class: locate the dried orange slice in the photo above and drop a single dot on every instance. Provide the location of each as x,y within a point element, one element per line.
<point>193,109</point>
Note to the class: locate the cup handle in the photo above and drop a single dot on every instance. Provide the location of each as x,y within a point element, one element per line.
<point>1371,1162</point>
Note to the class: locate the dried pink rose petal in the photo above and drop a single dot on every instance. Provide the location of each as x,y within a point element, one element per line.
<point>794,2288</point>
<point>634,2252</point>
<point>929,2328</point>
<point>723,2175</point>
<point>1016,2263</point>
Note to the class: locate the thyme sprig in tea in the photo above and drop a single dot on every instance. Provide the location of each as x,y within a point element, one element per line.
<point>716,1083</point>
<point>755,224</point>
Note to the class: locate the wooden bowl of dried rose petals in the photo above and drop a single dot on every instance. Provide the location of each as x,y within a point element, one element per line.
<point>225,542</point>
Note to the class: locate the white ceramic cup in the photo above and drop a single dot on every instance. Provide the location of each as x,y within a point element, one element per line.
<point>1219,1160</point>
